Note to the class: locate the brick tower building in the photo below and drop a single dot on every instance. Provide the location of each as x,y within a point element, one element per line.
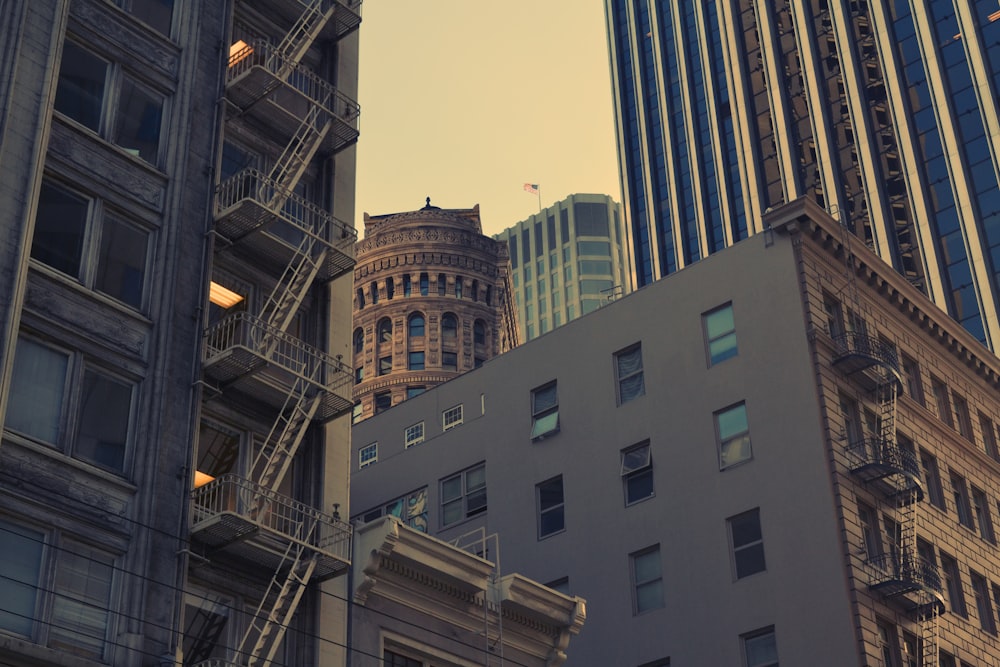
<point>432,300</point>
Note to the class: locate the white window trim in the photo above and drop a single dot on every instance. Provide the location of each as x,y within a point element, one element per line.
<point>452,417</point>
<point>363,459</point>
<point>409,437</point>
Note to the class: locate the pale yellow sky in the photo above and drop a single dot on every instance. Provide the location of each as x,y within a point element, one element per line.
<point>464,101</point>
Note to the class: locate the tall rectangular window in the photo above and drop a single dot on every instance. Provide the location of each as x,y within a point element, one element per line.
<point>367,455</point>
<point>415,361</point>
<point>747,542</point>
<point>628,368</point>
<point>35,401</point>
<point>870,535</point>
<point>981,591</point>
<point>888,639</point>
<point>80,607</point>
<point>760,648</point>
<point>911,375</point>
<point>720,334</point>
<point>989,436</point>
<point>637,473</point>
<point>83,80</point>
<point>383,401</point>
<point>953,585</point>
<point>544,411</point>
<point>647,579</point>
<point>551,507</point>
<point>20,568</point>
<point>449,361</point>
<point>981,511</point>
<point>451,417</point>
<point>960,494</point>
<point>939,390</point>
<point>932,478</point>
<point>963,421</point>
<point>463,495</point>
<point>734,435</point>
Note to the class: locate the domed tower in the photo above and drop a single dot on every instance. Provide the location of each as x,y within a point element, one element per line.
<point>432,300</point>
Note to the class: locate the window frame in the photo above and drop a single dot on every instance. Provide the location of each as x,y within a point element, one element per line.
<point>452,417</point>
<point>728,352</point>
<point>953,585</point>
<point>726,438</point>
<point>368,455</point>
<point>761,633</point>
<point>467,511</point>
<point>652,552</point>
<point>960,496</point>
<point>628,376</point>
<point>637,472</point>
<point>744,547</point>
<point>544,415</point>
<point>984,606</point>
<point>555,508</point>
<point>414,434</point>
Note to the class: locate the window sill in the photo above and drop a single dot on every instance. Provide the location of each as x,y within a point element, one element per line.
<point>22,648</point>
<point>53,452</point>
<point>543,436</point>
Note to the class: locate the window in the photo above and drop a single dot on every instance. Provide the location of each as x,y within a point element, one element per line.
<point>981,591</point>
<point>415,328</point>
<point>734,435</point>
<point>407,285</point>
<point>367,455</point>
<point>68,225</point>
<point>932,478</point>
<point>79,594</point>
<point>373,292</point>
<point>396,660</point>
<point>834,316</point>
<point>963,422</point>
<point>442,284</point>
<point>989,436</point>
<point>383,401</point>
<point>384,365</point>
<point>551,515</point>
<point>981,510</point>
<point>416,361</point>
<point>361,298</point>
<point>96,94</point>
<point>647,579</point>
<point>156,13</point>
<point>101,405</point>
<point>410,509</point>
<point>760,648</point>
<point>720,334</point>
<point>747,543</point>
<point>544,411</point>
<point>479,332</point>
<point>939,390</point>
<point>449,361</point>
<point>911,376</point>
<point>413,435</point>
<point>449,326</point>
<point>451,417</point>
<point>628,366</point>
<point>356,412</point>
<point>463,495</point>
<point>888,640</point>
<point>385,332</point>
<point>953,584</point>
<point>425,284</point>
<point>870,536</point>
<point>390,288</point>
<point>359,340</point>
<point>359,375</point>
<point>415,390</point>
<point>458,287</point>
<point>912,650</point>
<point>960,493</point>
<point>637,473</point>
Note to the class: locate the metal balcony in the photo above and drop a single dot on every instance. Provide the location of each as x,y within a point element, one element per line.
<point>245,215</point>
<point>253,523</point>
<point>278,94</point>
<point>911,582</point>
<point>346,18</point>
<point>887,467</point>
<point>857,351</point>
<point>245,355</point>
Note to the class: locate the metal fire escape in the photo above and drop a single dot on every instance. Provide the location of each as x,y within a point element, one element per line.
<point>487,547</point>
<point>900,574</point>
<point>254,358</point>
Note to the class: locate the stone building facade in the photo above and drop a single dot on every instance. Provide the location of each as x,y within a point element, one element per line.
<point>432,300</point>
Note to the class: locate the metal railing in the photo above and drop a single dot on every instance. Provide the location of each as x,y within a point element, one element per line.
<point>871,347</point>
<point>885,454</point>
<point>261,53</point>
<point>252,185</point>
<point>913,571</point>
<point>271,511</point>
<point>280,349</point>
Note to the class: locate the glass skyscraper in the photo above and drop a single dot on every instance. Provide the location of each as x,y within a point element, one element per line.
<point>885,112</point>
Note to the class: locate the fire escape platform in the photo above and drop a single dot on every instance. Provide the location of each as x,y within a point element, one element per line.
<point>271,239</point>
<point>245,355</point>
<point>239,517</point>
<point>346,16</point>
<point>912,584</point>
<point>867,359</point>
<point>276,96</point>
<point>888,468</point>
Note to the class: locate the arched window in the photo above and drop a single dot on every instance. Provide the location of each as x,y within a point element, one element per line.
<point>475,290</point>
<point>361,298</point>
<point>373,291</point>
<point>359,340</point>
<point>407,287</point>
<point>479,332</point>
<point>442,284</point>
<point>425,284</point>
<point>390,288</point>
<point>458,287</point>
<point>384,331</point>
<point>416,326</point>
<point>449,326</point>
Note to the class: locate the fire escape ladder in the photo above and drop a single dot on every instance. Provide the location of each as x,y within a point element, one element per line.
<point>267,628</point>
<point>300,150</point>
<point>928,618</point>
<point>286,435</point>
<point>307,28</point>
<point>291,289</point>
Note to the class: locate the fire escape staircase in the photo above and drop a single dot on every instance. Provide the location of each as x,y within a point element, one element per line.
<point>248,517</point>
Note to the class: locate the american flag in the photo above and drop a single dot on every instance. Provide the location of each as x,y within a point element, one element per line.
<point>531,187</point>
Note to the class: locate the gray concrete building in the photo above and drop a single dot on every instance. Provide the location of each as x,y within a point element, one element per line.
<point>885,112</point>
<point>566,260</point>
<point>175,300</point>
<point>784,452</point>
